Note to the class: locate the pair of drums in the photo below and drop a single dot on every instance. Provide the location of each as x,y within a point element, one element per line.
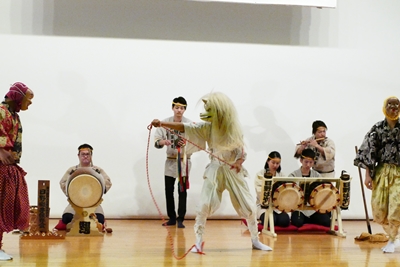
<point>85,187</point>
<point>289,196</point>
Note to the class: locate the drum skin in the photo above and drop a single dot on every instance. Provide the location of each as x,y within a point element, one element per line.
<point>287,196</point>
<point>85,187</point>
<point>324,197</point>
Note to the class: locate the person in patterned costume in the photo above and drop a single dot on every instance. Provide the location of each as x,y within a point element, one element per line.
<point>379,155</point>
<point>14,200</point>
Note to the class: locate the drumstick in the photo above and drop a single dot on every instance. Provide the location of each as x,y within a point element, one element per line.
<point>363,195</point>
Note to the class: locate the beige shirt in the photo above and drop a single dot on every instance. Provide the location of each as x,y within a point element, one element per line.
<point>324,163</point>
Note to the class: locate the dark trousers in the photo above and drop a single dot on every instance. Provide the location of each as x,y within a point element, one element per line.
<point>170,200</point>
<point>299,219</point>
<point>280,219</point>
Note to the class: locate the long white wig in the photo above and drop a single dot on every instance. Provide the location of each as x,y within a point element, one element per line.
<point>226,131</point>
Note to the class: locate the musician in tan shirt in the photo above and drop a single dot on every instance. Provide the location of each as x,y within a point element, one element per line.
<point>323,147</point>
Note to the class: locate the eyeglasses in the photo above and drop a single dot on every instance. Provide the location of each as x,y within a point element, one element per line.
<point>85,154</point>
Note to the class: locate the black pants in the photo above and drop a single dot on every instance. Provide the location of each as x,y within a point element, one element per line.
<point>170,200</point>
<point>280,219</point>
<point>299,219</point>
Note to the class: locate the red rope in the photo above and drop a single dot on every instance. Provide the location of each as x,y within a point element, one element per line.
<point>199,147</point>
<point>158,208</point>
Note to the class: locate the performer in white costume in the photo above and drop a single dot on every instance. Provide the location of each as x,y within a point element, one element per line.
<point>222,132</point>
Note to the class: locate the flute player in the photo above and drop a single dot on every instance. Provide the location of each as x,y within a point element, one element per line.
<point>323,147</point>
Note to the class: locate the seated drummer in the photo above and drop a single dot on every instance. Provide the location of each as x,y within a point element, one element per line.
<point>299,218</point>
<point>85,152</point>
<point>273,164</point>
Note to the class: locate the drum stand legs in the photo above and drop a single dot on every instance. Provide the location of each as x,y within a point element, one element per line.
<point>85,222</point>
<point>269,217</point>
<point>337,216</point>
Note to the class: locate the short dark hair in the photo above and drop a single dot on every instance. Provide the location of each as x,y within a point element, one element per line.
<point>179,100</point>
<point>83,146</point>
<point>317,124</point>
<point>308,153</point>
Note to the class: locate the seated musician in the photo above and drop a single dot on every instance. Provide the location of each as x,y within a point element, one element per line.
<point>299,218</point>
<point>85,152</point>
<point>273,164</point>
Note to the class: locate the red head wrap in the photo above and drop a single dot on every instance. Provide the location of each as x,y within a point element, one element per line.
<point>17,93</point>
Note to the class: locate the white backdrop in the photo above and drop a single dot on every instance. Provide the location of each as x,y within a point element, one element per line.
<point>106,91</point>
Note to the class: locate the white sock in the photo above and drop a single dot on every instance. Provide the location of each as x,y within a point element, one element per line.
<point>260,246</point>
<point>389,248</point>
<point>4,256</point>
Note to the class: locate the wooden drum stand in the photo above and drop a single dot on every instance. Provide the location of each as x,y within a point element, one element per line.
<point>286,194</point>
<point>39,216</point>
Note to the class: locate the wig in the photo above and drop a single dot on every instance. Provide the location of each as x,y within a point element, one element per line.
<point>226,131</point>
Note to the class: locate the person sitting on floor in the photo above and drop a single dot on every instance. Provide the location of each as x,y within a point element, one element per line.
<point>85,152</point>
<point>273,164</point>
<point>299,218</point>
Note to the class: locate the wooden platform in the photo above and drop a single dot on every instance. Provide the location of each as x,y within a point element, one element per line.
<point>227,243</point>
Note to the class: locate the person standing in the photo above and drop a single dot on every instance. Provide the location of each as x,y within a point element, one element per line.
<point>323,147</point>
<point>177,164</point>
<point>14,200</point>
<point>379,155</point>
<point>221,131</point>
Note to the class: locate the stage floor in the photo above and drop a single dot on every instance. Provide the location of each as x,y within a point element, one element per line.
<point>227,243</point>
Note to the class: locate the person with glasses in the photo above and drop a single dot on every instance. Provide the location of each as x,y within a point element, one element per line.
<point>85,153</point>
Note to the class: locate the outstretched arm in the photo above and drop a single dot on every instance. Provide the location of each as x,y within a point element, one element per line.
<point>172,125</point>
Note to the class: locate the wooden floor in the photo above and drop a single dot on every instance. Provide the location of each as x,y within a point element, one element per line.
<point>227,243</point>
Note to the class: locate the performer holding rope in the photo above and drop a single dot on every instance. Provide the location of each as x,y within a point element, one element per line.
<point>177,164</point>
<point>222,132</point>
<point>379,155</point>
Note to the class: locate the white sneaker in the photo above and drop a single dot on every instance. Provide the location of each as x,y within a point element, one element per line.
<point>4,256</point>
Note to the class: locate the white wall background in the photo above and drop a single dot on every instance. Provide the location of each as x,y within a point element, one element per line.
<point>102,70</point>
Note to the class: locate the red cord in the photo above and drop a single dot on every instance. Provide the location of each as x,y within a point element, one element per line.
<point>151,192</point>
<point>158,208</point>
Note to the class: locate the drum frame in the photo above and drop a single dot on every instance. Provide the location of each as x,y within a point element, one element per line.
<point>83,215</point>
<point>336,216</point>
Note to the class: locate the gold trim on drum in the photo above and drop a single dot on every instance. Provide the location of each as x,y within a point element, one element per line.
<point>324,198</point>
<point>288,197</point>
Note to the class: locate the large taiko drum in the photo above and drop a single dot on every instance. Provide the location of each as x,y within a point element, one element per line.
<point>85,187</point>
<point>287,196</point>
<point>324,197</point>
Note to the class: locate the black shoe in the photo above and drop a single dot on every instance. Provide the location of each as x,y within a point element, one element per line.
<point>169,223</point>
<point>180,224</point>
